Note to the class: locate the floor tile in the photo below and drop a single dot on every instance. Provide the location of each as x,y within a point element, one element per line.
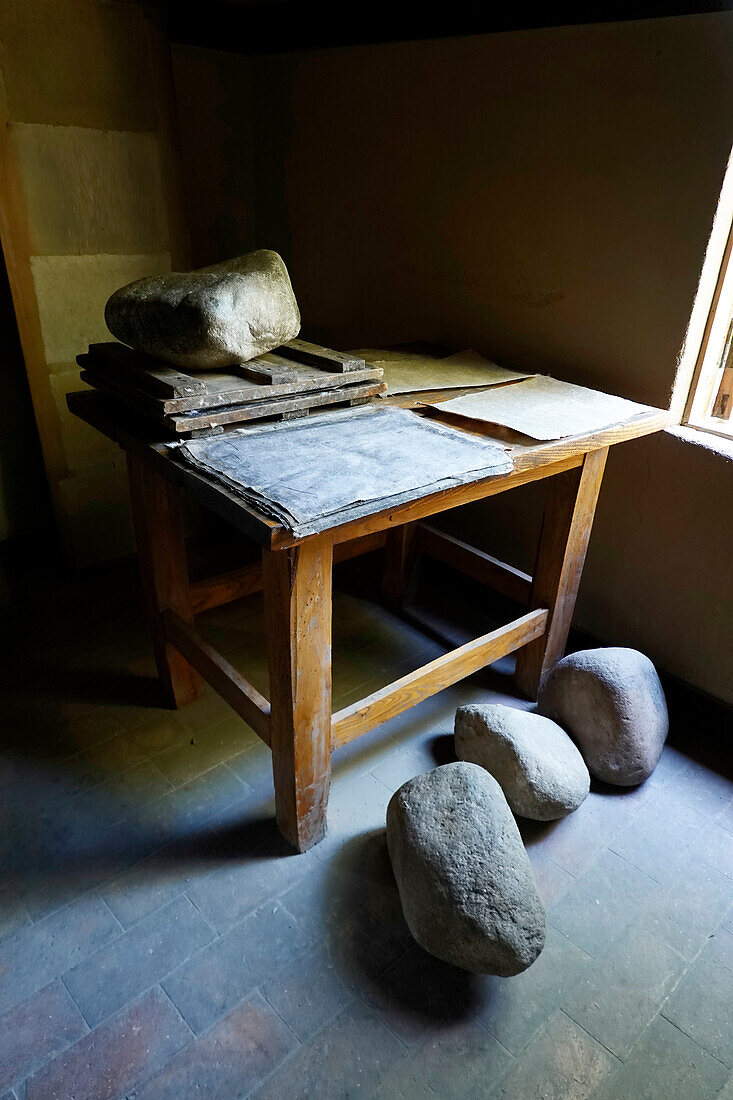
<point>513,1009</point>
<point>355,807</point>
<point>190,806</point>
<point>35,1031</point>
<point>218,977</point>
<point>563,1062</point>
<point>139,958</point>
<point>163,876</point>
<point>623,990</point>
<point>694,783</point>
<point>204,749</point>
<point>326,895</point>
<point>247,881</point>
<point>684,913</point>
<point>702,1004</point>
<point>228,1061</point>
<point>421,994</point>
<point>715,847</point>
<point>349,1057</point>
<point>457,1063</point>
<point>108,1062</point>
<point>601,903</point>
<point>665,1063</point>
<point>659,833</point>
<point>308,992</point>
<point>37,954</point>
<point>13,914</point>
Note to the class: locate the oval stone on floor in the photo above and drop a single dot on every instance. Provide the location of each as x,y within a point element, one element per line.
<point>612,704</point>
<point>464,878</point>
<point>208,319</point>
<point>539,769</point>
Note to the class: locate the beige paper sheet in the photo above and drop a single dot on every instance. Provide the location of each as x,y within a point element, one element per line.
<point>544,408</point>
<point>406,372</point>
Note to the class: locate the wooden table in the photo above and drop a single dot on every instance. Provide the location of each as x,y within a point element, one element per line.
<point>295,575</point>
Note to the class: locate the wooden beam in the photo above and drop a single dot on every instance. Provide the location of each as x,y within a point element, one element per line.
<point>298,617</point>
<point>223,677</point>
<point>475,563</point>
<point>400,560</point>
<point>406,692</point>
<point>157,519</point>
<point>566,527</point>
<point>216,591</point>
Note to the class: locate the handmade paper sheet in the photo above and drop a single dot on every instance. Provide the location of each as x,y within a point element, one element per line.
<point>315,473</point>
<point>544,408</point>
<point>406,372</point>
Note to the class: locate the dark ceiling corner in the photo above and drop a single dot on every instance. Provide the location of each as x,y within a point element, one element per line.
<point>269,26</point>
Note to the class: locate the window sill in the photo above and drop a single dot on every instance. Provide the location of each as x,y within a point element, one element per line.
<point>698,437</point>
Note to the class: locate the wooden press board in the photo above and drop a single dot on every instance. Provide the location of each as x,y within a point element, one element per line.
<point>300,376</point>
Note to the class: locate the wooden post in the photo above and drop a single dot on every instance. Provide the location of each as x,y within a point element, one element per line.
<point>566,528</point>
<point>297,587</point>
<point>400,560</point>
<point>158,523</point>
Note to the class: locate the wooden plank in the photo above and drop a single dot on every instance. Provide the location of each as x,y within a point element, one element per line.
<point>411,689</point>
<point>184,425</point>
<point>325,358</point>
<point>267,369</point>
<point>475,563</point>
<point>259,410</point>
<point>564,538</point>
<point>241,696</point>
<point>149,375</point>
<point>183,391</point>
<point>400,561</point>
<point>158,524</point>
<point>298,616</point>
<point>234,585</point>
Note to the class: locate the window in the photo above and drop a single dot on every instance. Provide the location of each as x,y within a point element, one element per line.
<point>707,358</point>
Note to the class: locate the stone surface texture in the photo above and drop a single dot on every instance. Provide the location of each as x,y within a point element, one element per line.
<point>211,318</point>
<point>539,769</point>
<point>464,878</point>
<point>612,704</point>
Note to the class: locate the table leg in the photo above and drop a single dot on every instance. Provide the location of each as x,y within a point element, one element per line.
<point>297,587</point>
<point>566,528</point>
<point>158,524</point>
<point>400,560</point>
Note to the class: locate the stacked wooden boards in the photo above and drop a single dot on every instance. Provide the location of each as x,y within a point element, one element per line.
<point>283,385</point>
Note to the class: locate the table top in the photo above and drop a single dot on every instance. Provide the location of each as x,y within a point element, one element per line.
<point>531,461</point>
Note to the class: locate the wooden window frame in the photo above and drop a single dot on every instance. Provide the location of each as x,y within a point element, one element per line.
<point>709,395</point>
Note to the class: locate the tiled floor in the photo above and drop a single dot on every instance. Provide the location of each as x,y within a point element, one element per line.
<point>158,940</point>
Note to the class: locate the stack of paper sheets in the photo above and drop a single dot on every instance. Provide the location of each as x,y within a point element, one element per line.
<point>407,372</point>
<point>315,473</point>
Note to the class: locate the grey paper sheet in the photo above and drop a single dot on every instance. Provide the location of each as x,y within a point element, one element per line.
<point>405,372</point>
<point>544,408</point>
<point>315,473</point>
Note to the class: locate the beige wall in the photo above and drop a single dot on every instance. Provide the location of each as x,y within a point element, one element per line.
<point>88,190</point>
<point>544,196</point>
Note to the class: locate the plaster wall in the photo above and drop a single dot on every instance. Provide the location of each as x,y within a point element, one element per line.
<point>546,197</point>
<point>89,202</point>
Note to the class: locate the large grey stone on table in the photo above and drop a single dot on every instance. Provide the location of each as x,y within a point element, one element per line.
<point>612,704</point>
<point>464,878</point>
<point>539,769</point>
<point>211,318</point>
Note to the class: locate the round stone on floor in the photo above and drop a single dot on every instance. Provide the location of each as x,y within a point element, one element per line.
<point>466,886</point>
<point>612,704</point>
<point>539,769</point>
